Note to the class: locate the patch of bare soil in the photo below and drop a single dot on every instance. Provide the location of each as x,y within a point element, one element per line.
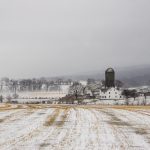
<point>44,145</point>
<point>62,118</point>
<point>115,120</point>
<point>51,119</point>
<point>5,107</point>
<point>141,131</point>
<point>17,112</point>
<point>2,120</point>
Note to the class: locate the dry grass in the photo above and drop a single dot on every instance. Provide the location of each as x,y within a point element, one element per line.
<point>125,107</point>
<point>5,118</point>
<point>2,120</point>
<point>63,118</point>
<point>5,107</point>
<point>51,119</point>
<point>141,131</point>
<point>117,122</point>
<point>131,107</point>
<point>12,107</point>
<point>114,120</point>
<point>44,145</point>
<point>63,106</point>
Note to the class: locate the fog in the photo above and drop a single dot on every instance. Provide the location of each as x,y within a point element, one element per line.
<point>63,37</point>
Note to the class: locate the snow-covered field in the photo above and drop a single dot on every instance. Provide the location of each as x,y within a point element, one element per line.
<point>70,127</point>
<point>39,94</point>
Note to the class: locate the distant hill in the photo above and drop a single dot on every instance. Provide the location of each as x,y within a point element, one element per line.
<point>135,76</point>
<point>130,76</point>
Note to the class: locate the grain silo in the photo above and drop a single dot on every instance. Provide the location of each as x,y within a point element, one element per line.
<point>109,78</point>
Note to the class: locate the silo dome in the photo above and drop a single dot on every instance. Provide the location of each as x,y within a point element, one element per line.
<point>110,70</point>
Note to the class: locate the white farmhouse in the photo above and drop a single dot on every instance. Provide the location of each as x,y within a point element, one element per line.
<point>111,93</point>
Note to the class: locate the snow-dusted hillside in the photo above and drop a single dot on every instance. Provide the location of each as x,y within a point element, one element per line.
<point>61,127</point>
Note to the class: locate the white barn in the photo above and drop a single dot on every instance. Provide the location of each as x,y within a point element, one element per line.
<point>112,93</point>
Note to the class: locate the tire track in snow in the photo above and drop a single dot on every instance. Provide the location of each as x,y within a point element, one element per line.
<point>81,131</point>
<point>107,137</point>
<point>9,116</point>
<point>43,132</point>
<point>20,129</point>
<point>58,130</point>
<point>80,123</point>
<point>142,112</point>
<point>94,132</point>
<point>70,131</point>
<point>125,128</point>
<point>139,123</point>
<point>36,131</point>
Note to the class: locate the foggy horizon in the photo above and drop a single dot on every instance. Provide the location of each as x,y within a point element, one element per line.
<point>57,38</point>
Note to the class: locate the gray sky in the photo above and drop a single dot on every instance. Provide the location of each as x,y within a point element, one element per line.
<point>58,37</point>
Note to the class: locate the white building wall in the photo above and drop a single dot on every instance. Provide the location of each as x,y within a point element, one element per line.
<point>111,93</point>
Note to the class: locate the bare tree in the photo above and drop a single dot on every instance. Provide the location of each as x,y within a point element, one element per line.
<point>76,90</point>
<point>1,99</point>
<point>129,94</point>
<point>119,83</point>
<point>145,99</point>
<point>9,98</point>
<point>126,93</point>
<point>15,96</point>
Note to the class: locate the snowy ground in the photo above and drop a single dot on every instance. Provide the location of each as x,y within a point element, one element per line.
<point>70,127</point>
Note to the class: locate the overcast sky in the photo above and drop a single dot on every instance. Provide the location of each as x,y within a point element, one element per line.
<point>58,37</point>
